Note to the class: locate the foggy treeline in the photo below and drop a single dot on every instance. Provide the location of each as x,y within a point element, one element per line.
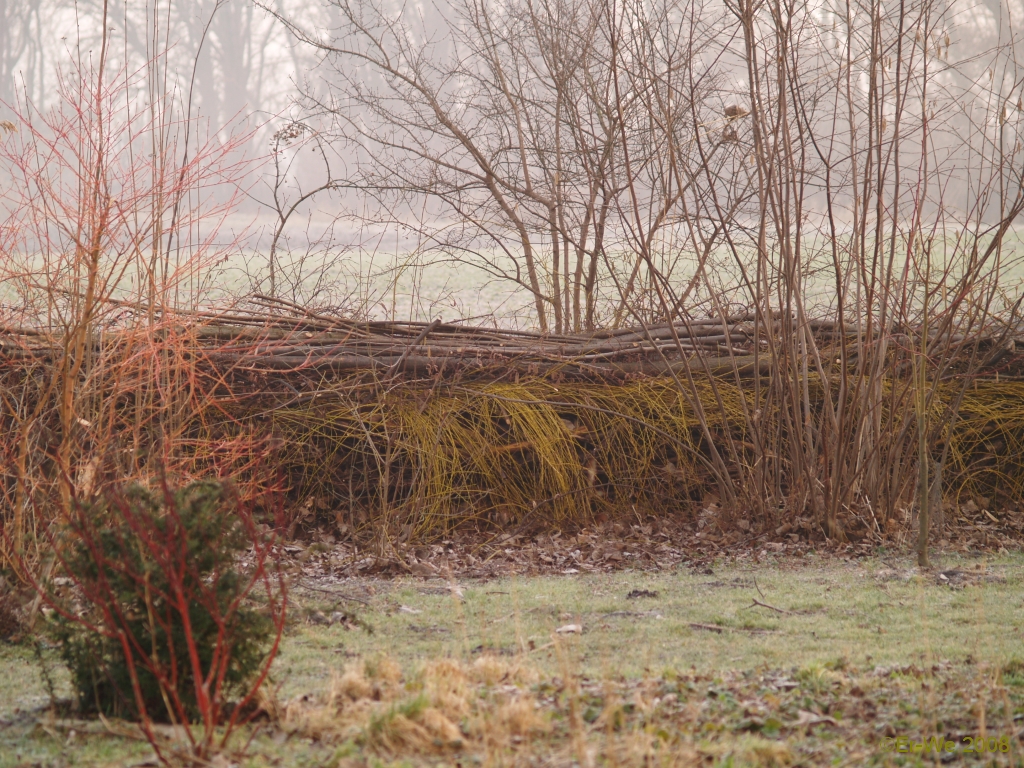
<point>626,144</point>
<point>234,62</point>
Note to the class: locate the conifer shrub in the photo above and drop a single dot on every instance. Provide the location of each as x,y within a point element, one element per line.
<point>175,608</point>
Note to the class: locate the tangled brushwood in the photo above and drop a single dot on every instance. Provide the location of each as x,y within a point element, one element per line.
<point>414,430</point>
<point>173,608</point>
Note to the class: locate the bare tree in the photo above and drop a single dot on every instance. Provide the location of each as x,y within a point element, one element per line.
<point>887,177</point>
<point>549,143</point>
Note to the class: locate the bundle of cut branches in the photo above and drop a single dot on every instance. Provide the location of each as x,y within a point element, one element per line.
<point>275,335</point>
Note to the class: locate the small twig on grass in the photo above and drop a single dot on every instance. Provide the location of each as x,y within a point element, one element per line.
<point>338,595</point>
<point>720,629</point>
<point>764,605</point>
<point>756,603</point>
<point>541,647</point>
<point>709,627</point>
<point>758,588</point>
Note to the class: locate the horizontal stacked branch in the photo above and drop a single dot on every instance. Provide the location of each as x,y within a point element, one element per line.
<point>284,338</point>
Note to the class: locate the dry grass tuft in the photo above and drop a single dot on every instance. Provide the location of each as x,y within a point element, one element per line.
<point>519,717</point>
<point>397,733</point>
<point>442,729</point>
<point>754,751</point>
<point>447,687</point>
<point>446,706</point>
<point>637,748</point>
<point>383,670</point>
<point>369,703</point>
<point>491,670</point>
<point>351,685</point>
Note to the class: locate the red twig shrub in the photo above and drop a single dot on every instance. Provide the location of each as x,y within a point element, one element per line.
<point>112,222</point>
<point>180,607</point>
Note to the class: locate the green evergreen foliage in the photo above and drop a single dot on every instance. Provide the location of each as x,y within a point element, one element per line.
<point>164,602</point>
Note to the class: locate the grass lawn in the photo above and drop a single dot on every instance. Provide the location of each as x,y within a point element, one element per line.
<point>795,662</point>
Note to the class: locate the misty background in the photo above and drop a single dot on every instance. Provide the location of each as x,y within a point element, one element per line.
<point>296,113</point>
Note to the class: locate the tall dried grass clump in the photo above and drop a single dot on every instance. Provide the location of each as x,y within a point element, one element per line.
<point>425,458</point>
